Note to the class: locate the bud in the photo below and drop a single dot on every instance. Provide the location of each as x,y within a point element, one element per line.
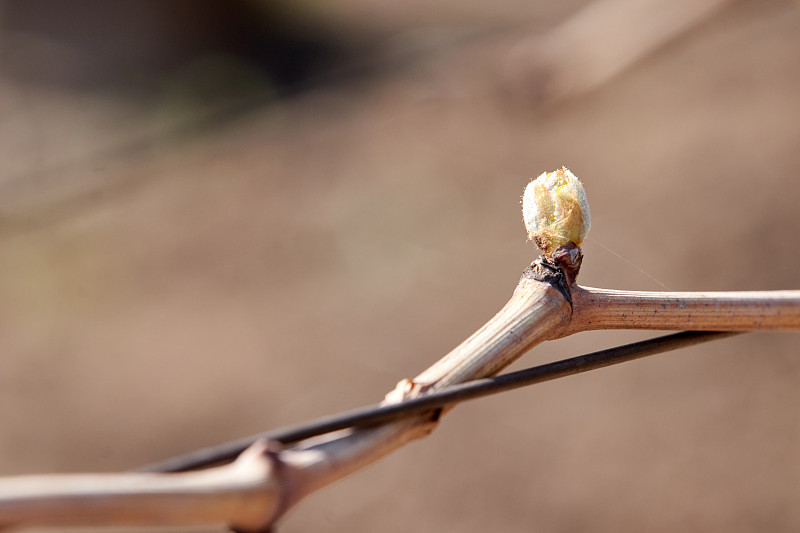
<point>555,210</point>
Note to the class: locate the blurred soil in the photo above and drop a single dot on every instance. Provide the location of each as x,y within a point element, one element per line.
<point>202,242</point>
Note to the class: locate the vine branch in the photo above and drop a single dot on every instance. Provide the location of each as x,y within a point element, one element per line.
<point>253,493</point>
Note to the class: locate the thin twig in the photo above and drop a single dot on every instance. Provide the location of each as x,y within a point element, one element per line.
<point>707,311</point>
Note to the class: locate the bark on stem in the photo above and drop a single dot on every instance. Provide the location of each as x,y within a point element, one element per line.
<point>537,311</point>
<point>243,495</point>
<point>699,311</point>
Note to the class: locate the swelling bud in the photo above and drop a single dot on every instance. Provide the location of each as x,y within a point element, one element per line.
<point>555,211</point>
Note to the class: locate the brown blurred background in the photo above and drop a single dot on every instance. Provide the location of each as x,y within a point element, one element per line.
<point>218,218</point>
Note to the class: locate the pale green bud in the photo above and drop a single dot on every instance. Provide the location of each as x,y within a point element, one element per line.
<point>555,210</point>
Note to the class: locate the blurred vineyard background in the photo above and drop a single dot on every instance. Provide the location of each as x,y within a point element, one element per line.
<point>218,218</point>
